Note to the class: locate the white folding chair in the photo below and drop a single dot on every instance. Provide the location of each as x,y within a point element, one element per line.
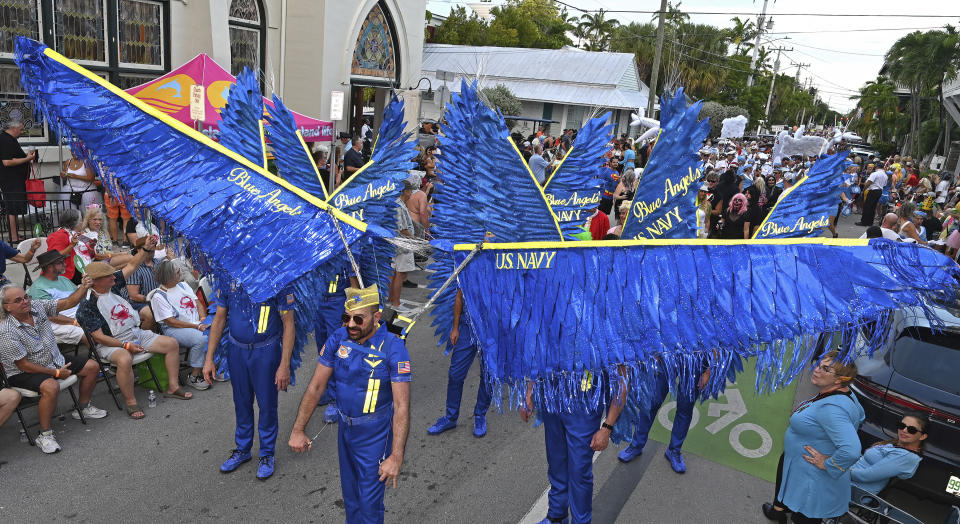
<point>29,394</point>
<point>31,271</point>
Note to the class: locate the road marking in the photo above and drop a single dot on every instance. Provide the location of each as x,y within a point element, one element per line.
<point>539,509</point>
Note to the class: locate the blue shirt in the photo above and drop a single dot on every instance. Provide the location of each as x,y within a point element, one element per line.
<point>6,251</point>
<point>881,463</point>
<point>829,425</point>
<point>362,378</point>
<point>538,166</point>
<point>628,159</point>
<point>250,323</point>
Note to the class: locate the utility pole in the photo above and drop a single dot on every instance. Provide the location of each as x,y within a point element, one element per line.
<point>756,45</point>
<point>797,78</point>
<point>776,67</point>
<point>652,97</point>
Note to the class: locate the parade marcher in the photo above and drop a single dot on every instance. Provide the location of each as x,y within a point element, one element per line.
<point>259,348</point>
<point>372,371</point>
<point>330,306</point>
<point>681,421</point>
<point>461,358</point>
<point>571,437</point>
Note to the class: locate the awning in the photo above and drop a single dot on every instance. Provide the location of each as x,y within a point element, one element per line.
<point>171,94</point>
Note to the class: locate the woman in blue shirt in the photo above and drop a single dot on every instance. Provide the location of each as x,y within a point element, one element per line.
<point>819,448</point>
<point>893,458</point>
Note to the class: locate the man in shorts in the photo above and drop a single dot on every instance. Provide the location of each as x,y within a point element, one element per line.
<point>32,361</point>
<point>403,262</point>
<point>115,327</point>
<point>116,209</point>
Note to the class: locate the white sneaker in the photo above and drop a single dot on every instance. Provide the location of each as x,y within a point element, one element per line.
<point>90,411</point>
<point>198,383</point>
<point>220,377</point>
<point>47,442</point>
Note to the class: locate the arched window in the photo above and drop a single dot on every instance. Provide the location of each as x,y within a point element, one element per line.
<point>247,38</point>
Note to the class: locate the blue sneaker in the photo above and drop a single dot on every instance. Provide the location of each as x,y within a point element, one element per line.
<point>676,460</point>
<point>265,469</point>
<point>331,415</point>
<point>548,520</point>
<point>629,453</point>
<point>443,424</point>
<point>237,457</point>
<point>479,426</point>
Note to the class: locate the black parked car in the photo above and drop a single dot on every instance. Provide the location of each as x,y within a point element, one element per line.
<point>918,368</point>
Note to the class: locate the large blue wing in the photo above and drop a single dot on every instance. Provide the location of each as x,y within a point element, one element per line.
<point>487,189</point>
<point>805,209</point>
<point>290,152</point>
<point>574,188</point>
<point>241,127</point>
<point>538,318</point>
<point>245,222</point>
<point>664,205</point>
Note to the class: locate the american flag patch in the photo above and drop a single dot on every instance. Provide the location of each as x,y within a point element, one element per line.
<point>290,298</point>
<point>403,366</point>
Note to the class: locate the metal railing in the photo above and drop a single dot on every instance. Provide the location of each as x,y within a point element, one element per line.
<point>46,217</point>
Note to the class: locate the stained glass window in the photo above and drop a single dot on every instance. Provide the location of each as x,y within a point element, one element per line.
<point>374,55</point>
<point>17,18</point>
<point>79,28</point>
<point>140,32</point>
<point>246,36</point>
<point>15,105</point>
<point>126,81</point>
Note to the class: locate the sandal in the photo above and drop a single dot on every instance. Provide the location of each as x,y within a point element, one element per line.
<point>133,409</point>
<point>179,394</point>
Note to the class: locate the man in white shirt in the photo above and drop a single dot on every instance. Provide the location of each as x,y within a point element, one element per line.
<point>875,184</point>
<point>886,227</point>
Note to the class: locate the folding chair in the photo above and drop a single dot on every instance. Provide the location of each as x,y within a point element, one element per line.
<point>108,370</point>
<point>32,398</point>
<point>31,271</point>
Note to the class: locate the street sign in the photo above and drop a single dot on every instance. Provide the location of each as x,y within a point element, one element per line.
<point>336,105</point>
<point>446,76</point>
<point>197,105</point>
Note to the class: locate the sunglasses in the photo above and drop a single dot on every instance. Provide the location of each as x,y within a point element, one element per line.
<point>18,300</point>
<point>910,429</point>
<point>357,319</point>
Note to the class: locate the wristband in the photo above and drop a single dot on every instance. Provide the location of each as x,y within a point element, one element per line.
<point>126,345</point>
<point>606,426</point>
<point>57,373</point>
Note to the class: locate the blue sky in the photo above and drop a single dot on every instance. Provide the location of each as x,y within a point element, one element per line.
<point>840,60</point>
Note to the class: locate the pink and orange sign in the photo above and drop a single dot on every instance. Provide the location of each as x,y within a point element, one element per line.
<point>171,94</point>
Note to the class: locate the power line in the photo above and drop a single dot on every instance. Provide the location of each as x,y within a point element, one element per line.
<point>751,13</point>
<point>836,50</point>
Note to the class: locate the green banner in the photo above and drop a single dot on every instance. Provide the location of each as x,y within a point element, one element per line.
<point>741,429</point>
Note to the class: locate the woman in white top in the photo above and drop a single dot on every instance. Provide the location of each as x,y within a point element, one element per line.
<point>908,229</point>
<point>177,310</point>
<point>103,247</point>
<point>80,179</point>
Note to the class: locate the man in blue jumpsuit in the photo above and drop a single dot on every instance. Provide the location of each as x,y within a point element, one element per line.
<point>464,352</point>
<point>260,343</point>
<point>330,308</point>
<point>571,439</point>
<point>681,421</point>
<point>372,371</point>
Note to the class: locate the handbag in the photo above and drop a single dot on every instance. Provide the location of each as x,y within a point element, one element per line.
<point>36,194</point>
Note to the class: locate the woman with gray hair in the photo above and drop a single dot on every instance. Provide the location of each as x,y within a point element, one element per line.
<point>175,308</point>
<point>65,240</point>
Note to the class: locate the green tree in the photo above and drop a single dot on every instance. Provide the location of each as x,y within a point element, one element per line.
<point>461,28</point>
<point>741,33</point>
<point>597,28</point>
<point>501,98</point>
<point>877,106</point>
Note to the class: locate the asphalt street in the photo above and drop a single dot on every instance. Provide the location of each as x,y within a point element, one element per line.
<point>165,468</point>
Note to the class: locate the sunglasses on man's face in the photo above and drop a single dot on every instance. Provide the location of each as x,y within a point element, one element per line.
<point>357,319</point>
<point>910,429</point>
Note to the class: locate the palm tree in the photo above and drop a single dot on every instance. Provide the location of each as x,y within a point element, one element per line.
<point>906,62</point>
<point>598,29</point>
<point>741,32</point>
<point>877,105</point>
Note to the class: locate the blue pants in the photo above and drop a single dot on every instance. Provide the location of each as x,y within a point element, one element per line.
<point>570,463</point>
<point>193,339</point>
<point>681,418</point>
<point>252,375</point>
<point>331,310</point>
<point>461,358</point>
<point>361,449</point>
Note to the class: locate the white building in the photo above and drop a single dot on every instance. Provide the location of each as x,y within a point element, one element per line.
<point>304,49</point>
<point>951,102</point>
<point>566,86</point>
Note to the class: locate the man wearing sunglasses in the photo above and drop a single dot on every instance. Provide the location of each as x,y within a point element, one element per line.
<point>372,371</point>
<point>259,347</point>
